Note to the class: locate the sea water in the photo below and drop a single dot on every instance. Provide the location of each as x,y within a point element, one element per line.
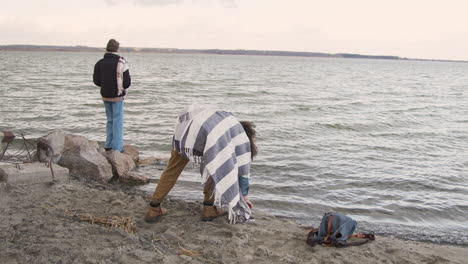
<point>383,141</point>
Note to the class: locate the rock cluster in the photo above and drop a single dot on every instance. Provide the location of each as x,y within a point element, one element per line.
<point>85,158</point>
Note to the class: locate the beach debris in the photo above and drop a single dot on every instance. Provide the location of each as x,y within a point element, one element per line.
<point>188,252</point>
<point>80,155</point>
<point>30,172</point>
<point>6,136</point>
<point>5,139</point>
<point>23,153</point>
<point>194,254</point>
<point>125,223</point>
<point>45,145</point>
<point>22,149</point>
<point>132,177</point>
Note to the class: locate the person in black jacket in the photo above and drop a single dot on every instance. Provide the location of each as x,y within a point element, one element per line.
<point>111,73</point>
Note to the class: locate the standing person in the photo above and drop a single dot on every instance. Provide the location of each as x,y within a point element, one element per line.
<point>224,148</point>
<point>111,73</point>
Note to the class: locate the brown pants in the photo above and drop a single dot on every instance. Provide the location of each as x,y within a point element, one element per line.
<point>170,175</point>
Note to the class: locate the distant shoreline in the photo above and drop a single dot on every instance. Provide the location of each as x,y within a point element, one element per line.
<point>52,48</point>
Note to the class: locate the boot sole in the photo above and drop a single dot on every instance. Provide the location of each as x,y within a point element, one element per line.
<point>208,219</point>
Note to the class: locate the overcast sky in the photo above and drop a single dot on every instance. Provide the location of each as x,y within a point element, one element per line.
<point>430,29</point>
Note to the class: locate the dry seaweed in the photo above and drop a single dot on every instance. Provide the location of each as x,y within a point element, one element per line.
<point>125,223</point>
<point>164,245</point>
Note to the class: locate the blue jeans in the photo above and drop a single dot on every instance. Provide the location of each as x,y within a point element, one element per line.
<point>114,128</point>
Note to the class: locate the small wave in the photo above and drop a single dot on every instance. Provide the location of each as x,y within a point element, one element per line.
<point>338,126</point>
<point>181,84</point>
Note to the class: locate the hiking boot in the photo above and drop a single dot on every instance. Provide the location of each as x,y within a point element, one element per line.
<point>154,213</point>
<point>209,213</point>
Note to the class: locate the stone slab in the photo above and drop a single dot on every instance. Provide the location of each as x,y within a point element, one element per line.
<point>20,173</point>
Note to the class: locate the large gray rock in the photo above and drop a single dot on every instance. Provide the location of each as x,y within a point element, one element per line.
<point>56,142</point>
<point>132,151</point>
<point>123,163</point>
<point>81,156</point>
<point>120,162</point>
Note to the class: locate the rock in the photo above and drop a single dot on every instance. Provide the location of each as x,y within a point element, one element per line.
<point>102,151</point>
<point>120,162</point>
<point>144,161</point>
<point>30,173</point>
<point>134,178</point>
<point>148,161</point>
<point>85,158</point>
<point>56,142</point>
<point>80,155</point>
<point>132,151</point>
<point>6,137</point>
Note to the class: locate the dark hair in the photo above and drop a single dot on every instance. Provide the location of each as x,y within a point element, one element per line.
<point>112,45</point>
<point>249,128</point>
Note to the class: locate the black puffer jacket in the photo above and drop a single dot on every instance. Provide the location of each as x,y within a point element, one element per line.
<point>105,76</point>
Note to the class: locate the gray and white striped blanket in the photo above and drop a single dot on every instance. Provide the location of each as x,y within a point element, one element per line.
<point>122,66</point>
<point>217,141</point>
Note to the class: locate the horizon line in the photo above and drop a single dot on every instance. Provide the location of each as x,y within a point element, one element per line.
<point>255,52</point>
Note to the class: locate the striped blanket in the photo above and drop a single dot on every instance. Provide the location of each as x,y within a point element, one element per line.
<point>122,66</point>
<point>217,141</point>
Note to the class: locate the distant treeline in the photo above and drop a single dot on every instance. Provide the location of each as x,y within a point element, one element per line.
<point>202,51</point>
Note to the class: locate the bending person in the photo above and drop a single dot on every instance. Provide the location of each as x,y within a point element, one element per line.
<point>224,148</point>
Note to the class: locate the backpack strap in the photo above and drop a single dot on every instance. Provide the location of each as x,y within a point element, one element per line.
<point>310,237</point>
<point>326,241</point>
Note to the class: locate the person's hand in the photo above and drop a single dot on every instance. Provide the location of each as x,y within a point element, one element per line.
<point>249,203</point>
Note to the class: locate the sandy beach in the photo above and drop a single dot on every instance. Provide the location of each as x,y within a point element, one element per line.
<point>43,223</point>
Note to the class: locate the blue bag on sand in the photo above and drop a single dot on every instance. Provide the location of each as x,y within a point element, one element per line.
<point>335,230</point>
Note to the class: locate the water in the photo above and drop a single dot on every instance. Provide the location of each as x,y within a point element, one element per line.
<point>382,141</point>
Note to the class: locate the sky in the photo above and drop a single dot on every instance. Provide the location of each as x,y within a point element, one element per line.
<point>427,29</point>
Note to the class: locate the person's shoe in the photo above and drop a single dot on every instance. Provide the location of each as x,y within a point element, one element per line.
<point>154,213</point>
<point>209,213</point>
<point>107,149</point>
